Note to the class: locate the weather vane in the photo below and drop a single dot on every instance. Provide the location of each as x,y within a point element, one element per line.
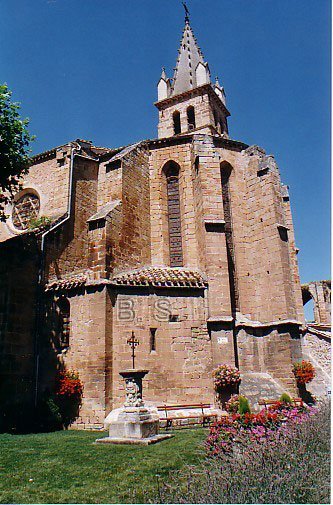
<point>133,343</point>
<point>187,13</point>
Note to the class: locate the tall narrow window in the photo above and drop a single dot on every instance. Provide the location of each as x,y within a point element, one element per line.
<point>225,175</point>
<point>171,171</point>
<point>176,122</point>
<point>190,117</point>
<point>152,339</point>
<point>216,121</point>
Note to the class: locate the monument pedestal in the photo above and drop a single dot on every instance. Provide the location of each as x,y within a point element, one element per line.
<point>134,423</point>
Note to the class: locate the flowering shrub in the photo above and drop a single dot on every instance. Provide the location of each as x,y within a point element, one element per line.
<point>68,390</point>
<point>232,404</point>
<point>304,372</point>
<point>225,375</point>
<point>237,429</point>
<point>292,465</point>
<point>68,385</point>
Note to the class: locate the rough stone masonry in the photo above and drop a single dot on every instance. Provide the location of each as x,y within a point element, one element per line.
<point>186,239</point>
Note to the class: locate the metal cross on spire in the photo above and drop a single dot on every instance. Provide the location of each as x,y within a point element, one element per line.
<point>133,343</point>
<point>187,13</point>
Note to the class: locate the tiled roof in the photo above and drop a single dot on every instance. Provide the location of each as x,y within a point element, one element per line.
<point>161,277</point>
<point>75,281</point>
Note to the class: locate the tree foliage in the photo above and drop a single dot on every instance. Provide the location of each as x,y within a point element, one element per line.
<point>14,147</point>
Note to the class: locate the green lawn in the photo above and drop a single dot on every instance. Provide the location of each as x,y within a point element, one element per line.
<point>66,467</point>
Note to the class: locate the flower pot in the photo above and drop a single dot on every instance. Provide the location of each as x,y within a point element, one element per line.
<point>224,395</point>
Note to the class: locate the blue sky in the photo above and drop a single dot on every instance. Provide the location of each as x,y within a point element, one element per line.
<point>89,68</point>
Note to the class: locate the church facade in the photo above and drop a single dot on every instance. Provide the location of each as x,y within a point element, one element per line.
<point>186,240</point>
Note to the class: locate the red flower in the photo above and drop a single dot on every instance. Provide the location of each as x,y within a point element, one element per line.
<point>68,385</point>
<point>304,372</point>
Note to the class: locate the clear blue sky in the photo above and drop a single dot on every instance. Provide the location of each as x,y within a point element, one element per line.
<point>89,68</point>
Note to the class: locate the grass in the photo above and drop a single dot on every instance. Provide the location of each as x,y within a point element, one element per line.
<point>66,467</point>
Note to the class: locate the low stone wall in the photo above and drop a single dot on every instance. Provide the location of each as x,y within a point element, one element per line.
<point>317,349</point>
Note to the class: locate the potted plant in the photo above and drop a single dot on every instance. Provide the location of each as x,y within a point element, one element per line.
<point>226,381</point>
<point>304,372</point>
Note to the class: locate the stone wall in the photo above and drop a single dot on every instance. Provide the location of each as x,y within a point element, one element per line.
<point>67,247</point>
<point>317,349</point>
<point>49,178</point>
<point>268,352</point>
<point>134,245</point>
<point>203,115</point>
<point>320,292</point>
<point>18,301</point>
<point>89,352</point>
<point>180,365</point>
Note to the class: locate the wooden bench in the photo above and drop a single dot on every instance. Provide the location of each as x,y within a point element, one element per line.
<point>266,402</point>
<point>204,419</point>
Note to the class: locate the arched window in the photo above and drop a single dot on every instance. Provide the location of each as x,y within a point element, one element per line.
<point>190,117</point>
<point>226,170</point>
<point>171,171</point>
<point>176,122</point>
<point>25,209</point>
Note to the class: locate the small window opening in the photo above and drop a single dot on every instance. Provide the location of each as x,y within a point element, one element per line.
<point>283,234</point>
<point>153,339</point>
<point>190,117</point>
<point>173,318</point>
<point>196,165</point>
<point>176,122</point>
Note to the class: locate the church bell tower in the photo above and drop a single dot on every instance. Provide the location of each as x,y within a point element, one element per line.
<point>189,102</point>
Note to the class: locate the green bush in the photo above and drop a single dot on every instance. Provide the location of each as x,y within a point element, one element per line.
<point>285,398</point>
<point>243,405</point>
<point>39,222</point>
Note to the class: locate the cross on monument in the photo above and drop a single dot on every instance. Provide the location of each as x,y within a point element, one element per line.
<point>132,342</point>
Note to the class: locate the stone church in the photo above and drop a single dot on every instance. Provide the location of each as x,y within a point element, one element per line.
<point>186,240</point>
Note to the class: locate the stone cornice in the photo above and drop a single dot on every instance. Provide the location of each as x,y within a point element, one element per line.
<point>187,138</point>
<point>205,88</point>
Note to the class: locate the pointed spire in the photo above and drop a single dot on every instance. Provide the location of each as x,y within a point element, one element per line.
<point>163,86</point>
<point>219,90</point>
<point>189,56</point>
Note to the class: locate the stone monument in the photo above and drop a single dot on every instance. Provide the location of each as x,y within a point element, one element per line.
<point>134,422</point>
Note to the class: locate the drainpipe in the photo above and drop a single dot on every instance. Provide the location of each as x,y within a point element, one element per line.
<point>40,286</point>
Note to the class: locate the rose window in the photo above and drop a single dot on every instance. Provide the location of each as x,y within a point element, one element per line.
<point>25,209</point>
